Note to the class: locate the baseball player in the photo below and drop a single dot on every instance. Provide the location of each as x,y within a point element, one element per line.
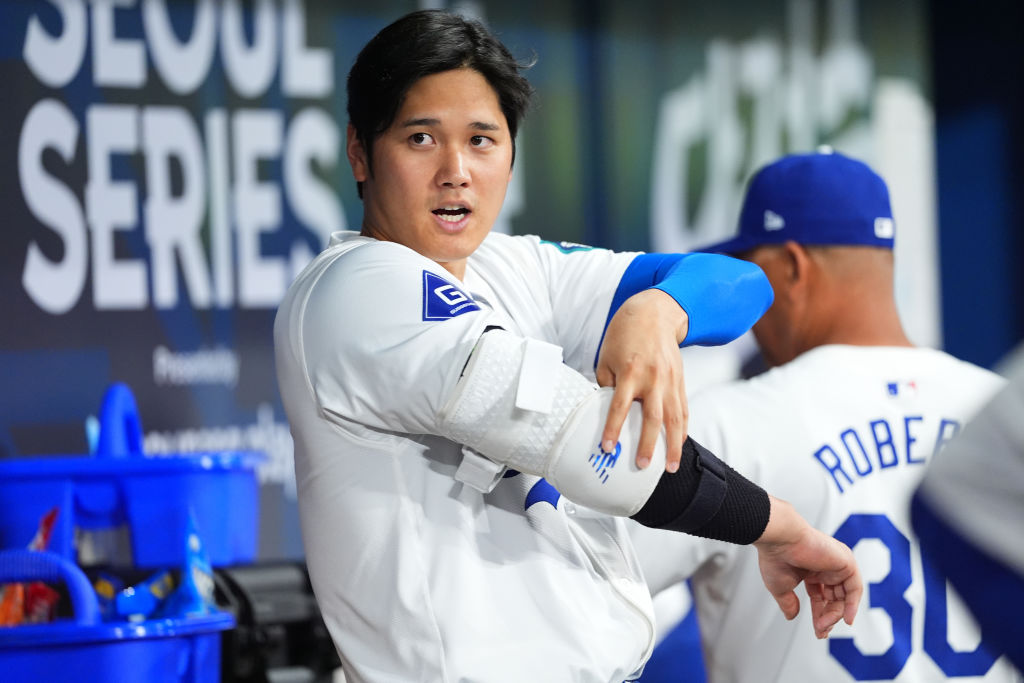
<point>843,427</point>
<point>462,481</point>
<point>970,504</point>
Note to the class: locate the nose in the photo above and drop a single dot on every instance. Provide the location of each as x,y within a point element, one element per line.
<point>453,171</point>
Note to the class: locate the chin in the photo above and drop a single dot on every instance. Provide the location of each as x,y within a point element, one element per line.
<point>460,247</point>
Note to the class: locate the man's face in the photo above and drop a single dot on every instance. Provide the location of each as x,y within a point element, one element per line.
<point>440,171</point>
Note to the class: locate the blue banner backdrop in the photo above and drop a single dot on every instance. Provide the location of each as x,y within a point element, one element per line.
<point>168,166</point>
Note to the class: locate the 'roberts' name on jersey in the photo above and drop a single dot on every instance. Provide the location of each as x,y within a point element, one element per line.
<point>881,444</point>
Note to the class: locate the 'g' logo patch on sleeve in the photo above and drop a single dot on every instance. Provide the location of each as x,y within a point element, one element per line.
<point>443,300</point>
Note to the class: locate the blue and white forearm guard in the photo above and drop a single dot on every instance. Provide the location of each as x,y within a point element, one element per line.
<point>520,406</point>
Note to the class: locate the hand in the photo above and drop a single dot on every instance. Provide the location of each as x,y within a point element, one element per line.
<point>790,551</point>
<point>640,358</point>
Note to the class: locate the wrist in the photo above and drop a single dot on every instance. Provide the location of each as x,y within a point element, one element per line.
<point>670,312</point>
<point>784,524</point>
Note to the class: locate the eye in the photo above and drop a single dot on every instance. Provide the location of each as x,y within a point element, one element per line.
<point>481,141</point>
<point>420,139</point>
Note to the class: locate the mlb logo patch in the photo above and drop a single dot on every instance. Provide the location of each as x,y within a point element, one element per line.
<point>901,388</point>
<point>443,300</point>
<point>885,228</point>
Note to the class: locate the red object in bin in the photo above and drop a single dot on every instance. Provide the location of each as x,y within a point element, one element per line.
<point>84,649</point>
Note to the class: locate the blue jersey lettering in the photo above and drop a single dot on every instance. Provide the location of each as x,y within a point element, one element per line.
<point>884,443</point>
<point>833,466</point>
<point>851,457</point>
<point>850,435</point>
<point>911,439</point>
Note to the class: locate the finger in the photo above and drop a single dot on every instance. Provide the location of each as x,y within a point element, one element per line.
<point>605,377</point>
<point>826,607</point>
<point>852,600</point>
<point>826,615</point>
<point>684,405</point>
<point>674,435</point>
<point>829,592</point>
<point>844,586</point>
<point>652,412</point>
<point>622,399</point>
<point>789,604</point>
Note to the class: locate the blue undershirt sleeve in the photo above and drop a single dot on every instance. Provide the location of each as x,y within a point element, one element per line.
<point>722,296</point>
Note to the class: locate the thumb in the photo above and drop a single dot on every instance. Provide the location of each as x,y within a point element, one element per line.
<point>789,603</point>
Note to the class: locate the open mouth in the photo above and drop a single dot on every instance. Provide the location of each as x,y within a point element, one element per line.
<point>452,214</point>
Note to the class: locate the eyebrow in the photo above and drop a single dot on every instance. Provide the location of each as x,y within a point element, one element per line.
<point>426,121</point>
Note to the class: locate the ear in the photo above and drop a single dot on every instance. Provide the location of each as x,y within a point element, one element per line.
<point>356,155</point>
<point>803,276</point>
<point>797,264</point>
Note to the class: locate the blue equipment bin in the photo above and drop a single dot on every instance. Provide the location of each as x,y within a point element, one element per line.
<point>150,498</point>
<point>84,649</point>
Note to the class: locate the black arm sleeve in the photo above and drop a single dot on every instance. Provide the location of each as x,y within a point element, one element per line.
<point>706,497</point>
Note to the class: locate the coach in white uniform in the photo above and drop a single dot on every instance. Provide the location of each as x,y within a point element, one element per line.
<point>439,385</point>
<point>843,428</point>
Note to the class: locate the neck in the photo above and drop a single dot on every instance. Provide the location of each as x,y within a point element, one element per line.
<point>854,302</point>
<point>874,328</point>
<point>456,268</point>
<point>858,316</point>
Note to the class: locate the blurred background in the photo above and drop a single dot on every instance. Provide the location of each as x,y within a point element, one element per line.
<point>168,166</point>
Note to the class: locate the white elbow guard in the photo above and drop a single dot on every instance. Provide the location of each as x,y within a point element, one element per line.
<point>519,405</point>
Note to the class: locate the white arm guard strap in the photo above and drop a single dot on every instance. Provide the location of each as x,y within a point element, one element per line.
<point>517,404</point>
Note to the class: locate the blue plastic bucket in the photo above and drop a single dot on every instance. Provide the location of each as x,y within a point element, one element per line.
<point>148,497</point>
<point>84,649</point>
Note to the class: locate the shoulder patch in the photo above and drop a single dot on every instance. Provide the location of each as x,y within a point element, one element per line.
<point>443,300</point>
<point>568,247</point>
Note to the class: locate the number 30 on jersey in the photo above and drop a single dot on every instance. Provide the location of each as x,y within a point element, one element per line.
<point>888,594</point>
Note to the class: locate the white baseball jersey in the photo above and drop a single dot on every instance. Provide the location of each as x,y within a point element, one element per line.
<point>418,576</point>
<point>844,433</point>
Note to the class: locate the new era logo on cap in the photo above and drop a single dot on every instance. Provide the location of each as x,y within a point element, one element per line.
<point>773,221</point>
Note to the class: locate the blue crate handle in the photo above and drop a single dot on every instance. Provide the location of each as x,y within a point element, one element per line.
<point>120,427</point>
<point>43,565</point>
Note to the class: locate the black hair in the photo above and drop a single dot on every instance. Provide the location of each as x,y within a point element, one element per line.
<point>420,44</point>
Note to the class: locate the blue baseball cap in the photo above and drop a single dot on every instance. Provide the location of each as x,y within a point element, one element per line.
<point>823,198</point>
